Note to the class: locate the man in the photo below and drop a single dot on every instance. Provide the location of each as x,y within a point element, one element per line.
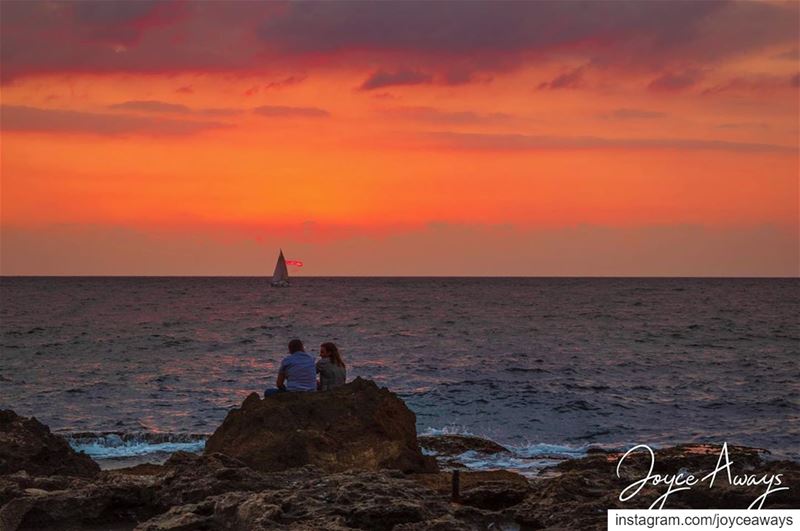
<point>297,372</point>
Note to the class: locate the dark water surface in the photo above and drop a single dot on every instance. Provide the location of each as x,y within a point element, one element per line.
<point>545,365</point>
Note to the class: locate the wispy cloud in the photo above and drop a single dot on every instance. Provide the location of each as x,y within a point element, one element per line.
<point>743,125</point>
<point>151,106</point>
<point>384,78</point>
<point>287,81</point>
<point>33,119</point>
<point>633,114</point>
<point>161,107</point>
<point>433,115</point>
<point>291,112</point>
<point>500,142</point>
<point>568,80</point>
<point>792,54</point>
<point>676,81</point>
<point>756,83</point>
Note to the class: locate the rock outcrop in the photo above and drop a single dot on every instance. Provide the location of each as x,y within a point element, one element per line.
<point>356,500</point>
<point>453,445</point>
<point>358,426</point>
<point>63,502</point>
<point>217,491</point>
<point>490,489</point>
<point>578,493</point>
<point>27,444</point>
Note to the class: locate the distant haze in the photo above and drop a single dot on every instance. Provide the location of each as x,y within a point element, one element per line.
<point>435,250</point>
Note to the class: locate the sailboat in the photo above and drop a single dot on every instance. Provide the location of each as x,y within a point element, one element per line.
<point>280,278</point>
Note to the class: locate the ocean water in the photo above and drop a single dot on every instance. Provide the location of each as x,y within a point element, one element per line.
<point>132,369</point>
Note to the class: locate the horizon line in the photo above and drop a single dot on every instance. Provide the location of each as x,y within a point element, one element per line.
<point>266,277</point>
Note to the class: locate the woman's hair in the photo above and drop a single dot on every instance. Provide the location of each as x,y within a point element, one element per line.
<point>331,349</point>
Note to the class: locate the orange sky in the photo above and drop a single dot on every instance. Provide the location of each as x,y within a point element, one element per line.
<point>134,143</point>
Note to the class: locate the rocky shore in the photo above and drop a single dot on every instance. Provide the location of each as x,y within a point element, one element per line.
<point>344,459</point>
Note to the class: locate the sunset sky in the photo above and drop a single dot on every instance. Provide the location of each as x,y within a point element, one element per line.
<point>400,138</point>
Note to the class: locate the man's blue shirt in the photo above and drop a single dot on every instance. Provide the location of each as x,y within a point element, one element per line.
<point>300,372</point>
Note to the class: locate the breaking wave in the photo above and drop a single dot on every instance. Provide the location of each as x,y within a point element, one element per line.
<point>527,459</point>
<point>106,446</point>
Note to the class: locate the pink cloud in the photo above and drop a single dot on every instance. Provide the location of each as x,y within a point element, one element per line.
<point>382,79</point>
<point>453,43</point>
<point>676,81</point>
<point>568,80</point>
<point>756,84</point>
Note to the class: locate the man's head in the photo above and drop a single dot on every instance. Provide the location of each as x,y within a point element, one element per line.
<point>295,345</point>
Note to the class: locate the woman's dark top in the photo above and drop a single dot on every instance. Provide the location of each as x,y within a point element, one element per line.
<point>330,374</point>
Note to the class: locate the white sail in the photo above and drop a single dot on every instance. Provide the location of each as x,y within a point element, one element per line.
<point>281,275</point>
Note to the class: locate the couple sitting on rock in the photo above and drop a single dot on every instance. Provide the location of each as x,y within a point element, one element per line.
<point>298,371</point>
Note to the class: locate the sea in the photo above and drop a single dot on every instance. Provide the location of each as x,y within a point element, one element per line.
<point>131,369</point>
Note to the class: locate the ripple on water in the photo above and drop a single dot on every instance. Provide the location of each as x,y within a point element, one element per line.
<point>671,360</point>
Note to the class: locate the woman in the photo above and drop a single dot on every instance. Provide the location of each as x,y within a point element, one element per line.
<point>331,369</point>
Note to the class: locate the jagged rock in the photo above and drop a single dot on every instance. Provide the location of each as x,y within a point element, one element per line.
<point>492,490</point>
<point>216,491</point>
<point>191,478</point>
<point>12,513</point>
<point>115,497</point>
<point>444,523</point>
<point>377,501</point>
<point>143,469</point>
<point>448,448</point>
<point>103,501</point>
<point>355,426</point>
<point>215,512</point>
<point>580,491</point>
<point>494,495</point>
<point>452,445</point>
<point>27,444</point>
<point>257,511</point>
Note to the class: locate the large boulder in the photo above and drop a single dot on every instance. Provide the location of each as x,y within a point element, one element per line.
<point>356,426</point>
<point>27,444</point>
